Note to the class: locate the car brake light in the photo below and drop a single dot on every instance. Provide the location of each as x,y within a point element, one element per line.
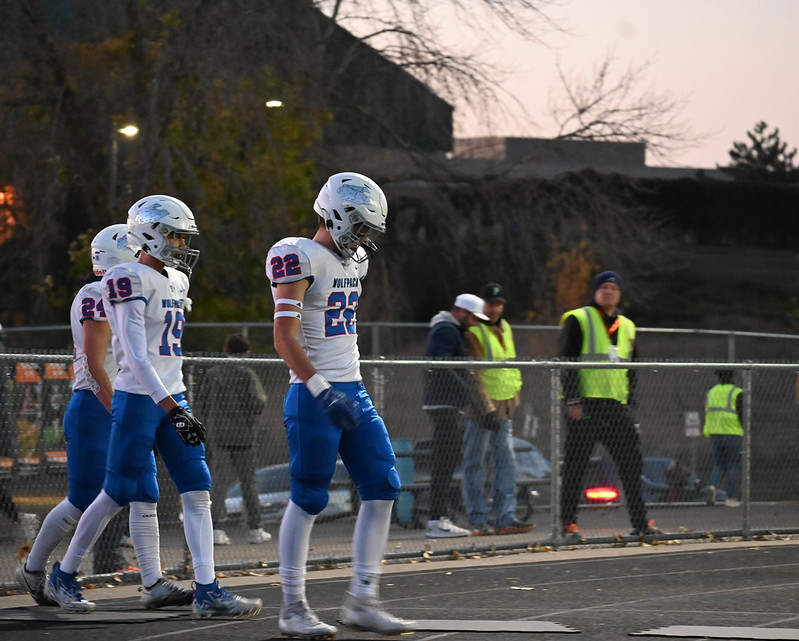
<point>606,494</point>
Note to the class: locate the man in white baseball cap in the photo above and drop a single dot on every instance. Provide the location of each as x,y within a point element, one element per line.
<point>446,393</point>
<point>472,304</point>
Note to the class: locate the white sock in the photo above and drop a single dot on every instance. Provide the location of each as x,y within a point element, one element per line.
<point>145,536</point>
<point>90,526</point>
<point>199,534</point>
<point>368,546</point>
<point>294,538</point>
<point>61,520</point>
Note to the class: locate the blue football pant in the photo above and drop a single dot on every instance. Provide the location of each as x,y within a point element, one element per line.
<point>315,442</point>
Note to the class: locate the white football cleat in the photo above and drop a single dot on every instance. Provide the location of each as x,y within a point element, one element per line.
<point>367,614</point>
<point>298,621</point>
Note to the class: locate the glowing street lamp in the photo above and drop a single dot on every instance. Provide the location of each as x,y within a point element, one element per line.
<point>129,131</point>
<point>273,104</point>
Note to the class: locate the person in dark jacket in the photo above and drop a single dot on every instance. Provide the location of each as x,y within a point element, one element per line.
<point>597,402</point>
<point>232,398</point>
<point>447,392</point>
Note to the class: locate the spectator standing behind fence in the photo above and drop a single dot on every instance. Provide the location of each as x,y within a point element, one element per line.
<point>447,394</point>
<point>724,427</point>
<point>316,284</point>
<point>493,341</point>
<point>597,402</point>
<point>231,399</point>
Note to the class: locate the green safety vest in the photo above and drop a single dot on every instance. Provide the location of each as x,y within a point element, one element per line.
<point>721,416</point>
<point>597,347</point>
<point>501,383</point>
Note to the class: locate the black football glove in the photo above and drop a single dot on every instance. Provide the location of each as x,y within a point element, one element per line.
<point>189,428</point>
<point>490,422</point>
<point>340,408</point>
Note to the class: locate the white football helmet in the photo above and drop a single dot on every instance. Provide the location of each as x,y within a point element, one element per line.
<point>354,209</point>
<point>110,247</point>
<point>155,222</point>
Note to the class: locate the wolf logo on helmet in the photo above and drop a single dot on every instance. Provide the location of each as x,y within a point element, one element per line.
<point>354,209</point>
<point>163,227</point>
<point>110,247</point>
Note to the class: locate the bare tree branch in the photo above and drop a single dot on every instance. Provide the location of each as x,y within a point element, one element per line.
<point>409,33</point>
<point>612,106</point>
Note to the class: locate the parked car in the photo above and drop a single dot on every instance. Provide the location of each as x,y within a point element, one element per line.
<point>274,489</point>
<point>664,480</point>
<point>533,486</point>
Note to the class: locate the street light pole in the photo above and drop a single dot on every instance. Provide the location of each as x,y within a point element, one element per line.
<point>129,131</point>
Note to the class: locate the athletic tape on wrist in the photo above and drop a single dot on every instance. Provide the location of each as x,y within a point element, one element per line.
<point>316,385</point>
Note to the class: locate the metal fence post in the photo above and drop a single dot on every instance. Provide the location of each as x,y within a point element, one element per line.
<point>731,347</point>
<point>746,454</point>
<point>377,393</point>
<point>554,458</point>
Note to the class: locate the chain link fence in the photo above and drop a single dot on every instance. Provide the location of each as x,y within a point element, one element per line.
<point>669,410</point>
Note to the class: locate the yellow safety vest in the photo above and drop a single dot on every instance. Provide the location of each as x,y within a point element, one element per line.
<point>597,347</point>
<point>501,383</point>
<point>720,414</point>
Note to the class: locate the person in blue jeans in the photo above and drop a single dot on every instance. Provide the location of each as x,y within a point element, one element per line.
<point>491,430</point>
<point>724,427</point>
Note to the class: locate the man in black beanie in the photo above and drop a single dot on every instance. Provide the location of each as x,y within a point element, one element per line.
<point>597,402</point>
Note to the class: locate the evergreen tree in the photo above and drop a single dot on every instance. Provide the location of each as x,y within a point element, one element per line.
<point>763,159</point>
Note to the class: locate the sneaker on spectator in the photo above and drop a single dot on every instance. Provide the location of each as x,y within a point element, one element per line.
<point>164,593</point>
<point>648,533</point>
<point>483,530</point>
<point>213,600</point>
<point>221,538</point>
<point>711,494</point>
<point>64,589</point>
<point>366,613</point>
<point>258,535</point>
<point>298,621</point>
<point>515,527</point>
<point>34,583</point>
<point>30,525</point>
<point>443,528</point>
<point>731,502</point>
<point>572,534</point>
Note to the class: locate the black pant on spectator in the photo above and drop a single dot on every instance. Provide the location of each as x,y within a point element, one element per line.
<point>448,427</point>
<point>611,423</point>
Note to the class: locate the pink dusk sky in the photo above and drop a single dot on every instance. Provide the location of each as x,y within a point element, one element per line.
<point>734,62</point>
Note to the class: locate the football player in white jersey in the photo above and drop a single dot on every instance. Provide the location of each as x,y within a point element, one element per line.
<point>87,426</point>
<point>316,285</point>
<point>145,303</point>
<point>87,420</point>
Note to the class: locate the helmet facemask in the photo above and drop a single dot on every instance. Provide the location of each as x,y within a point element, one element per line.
<point>361,234</point>
<point>180,255</point>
